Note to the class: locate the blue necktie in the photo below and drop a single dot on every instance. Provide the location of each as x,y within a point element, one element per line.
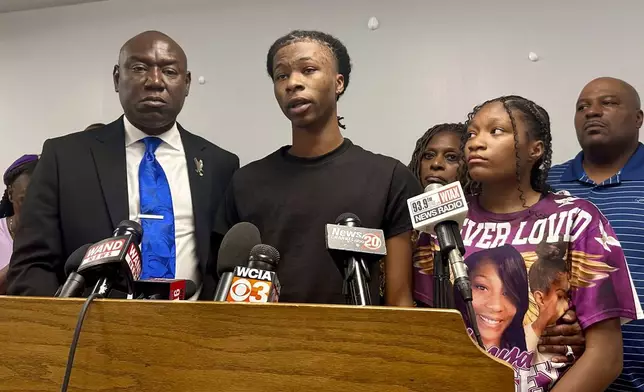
<point>158,246</point>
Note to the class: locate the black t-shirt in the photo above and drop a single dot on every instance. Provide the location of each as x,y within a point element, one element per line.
<point>291,199</point>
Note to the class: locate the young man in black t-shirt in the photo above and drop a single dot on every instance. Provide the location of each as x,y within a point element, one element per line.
<point>294,192</point>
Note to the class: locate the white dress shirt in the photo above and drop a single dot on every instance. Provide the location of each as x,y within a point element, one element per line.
<point>172,158</point>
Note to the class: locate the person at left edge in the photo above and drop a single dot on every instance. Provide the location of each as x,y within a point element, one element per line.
<point>292,193</point>
<point>16,178</point>
<point>144,163</point>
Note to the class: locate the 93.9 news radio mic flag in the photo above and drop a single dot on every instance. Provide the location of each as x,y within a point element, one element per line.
<point>441,210</point>
<point>353,244</point>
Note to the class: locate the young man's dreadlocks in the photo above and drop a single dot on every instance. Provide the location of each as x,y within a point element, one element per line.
<point>343,61</point>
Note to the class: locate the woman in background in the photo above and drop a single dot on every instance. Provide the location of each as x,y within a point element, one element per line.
<point>436,158</point>
<point>16,179</point>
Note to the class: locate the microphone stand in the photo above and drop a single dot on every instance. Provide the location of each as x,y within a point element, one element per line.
<point>103,287</point>
<point>356,282</point>
<point>452,250</point>
<point>443,289</point>
<point>223,287</point>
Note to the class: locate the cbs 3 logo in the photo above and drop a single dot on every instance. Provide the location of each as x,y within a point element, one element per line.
<point>244,290</point>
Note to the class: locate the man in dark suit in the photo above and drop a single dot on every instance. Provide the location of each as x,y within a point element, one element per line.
<point>143,166</point>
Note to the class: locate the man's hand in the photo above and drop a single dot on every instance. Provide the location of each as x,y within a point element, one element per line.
<point>556,339</point>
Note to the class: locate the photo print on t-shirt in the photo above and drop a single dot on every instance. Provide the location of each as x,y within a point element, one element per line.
<point>527,269</point>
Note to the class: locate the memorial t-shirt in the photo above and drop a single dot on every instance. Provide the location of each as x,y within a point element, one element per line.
<point>527,269</point>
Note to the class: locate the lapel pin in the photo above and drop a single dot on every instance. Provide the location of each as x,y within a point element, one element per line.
<point>199,166</point>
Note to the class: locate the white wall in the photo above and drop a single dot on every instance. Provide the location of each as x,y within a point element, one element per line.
<point>431,61</point>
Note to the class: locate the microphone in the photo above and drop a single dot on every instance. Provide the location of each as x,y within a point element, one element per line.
<point>258,282</point>
<point>234,250</point>
<point>442,210</point>
<point>75,283</point>
<point>114,263</point>
<point>165,289</point>
<point>354,243</point>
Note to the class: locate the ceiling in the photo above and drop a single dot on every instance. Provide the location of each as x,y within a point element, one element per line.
<point>23,5</point>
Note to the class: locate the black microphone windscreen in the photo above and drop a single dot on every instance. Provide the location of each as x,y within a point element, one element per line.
<point>263,250</point>
<point>130,227</point>
<point>348,217</point>
<point>236,246</point>
<point>74,260</point>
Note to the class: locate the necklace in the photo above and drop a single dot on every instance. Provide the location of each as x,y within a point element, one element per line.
<point>10,224</point>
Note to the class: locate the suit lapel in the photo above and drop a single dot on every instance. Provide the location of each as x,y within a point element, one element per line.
<point>200,186</point>
<point>109,158</point>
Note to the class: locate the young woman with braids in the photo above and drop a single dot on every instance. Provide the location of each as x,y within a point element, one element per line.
<point>16,178</point>
<point>507,151</point>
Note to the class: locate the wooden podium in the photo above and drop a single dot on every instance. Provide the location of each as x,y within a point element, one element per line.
<point>137,346</point>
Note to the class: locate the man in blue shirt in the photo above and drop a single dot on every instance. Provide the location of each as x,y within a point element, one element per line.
<point>609,171</point>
